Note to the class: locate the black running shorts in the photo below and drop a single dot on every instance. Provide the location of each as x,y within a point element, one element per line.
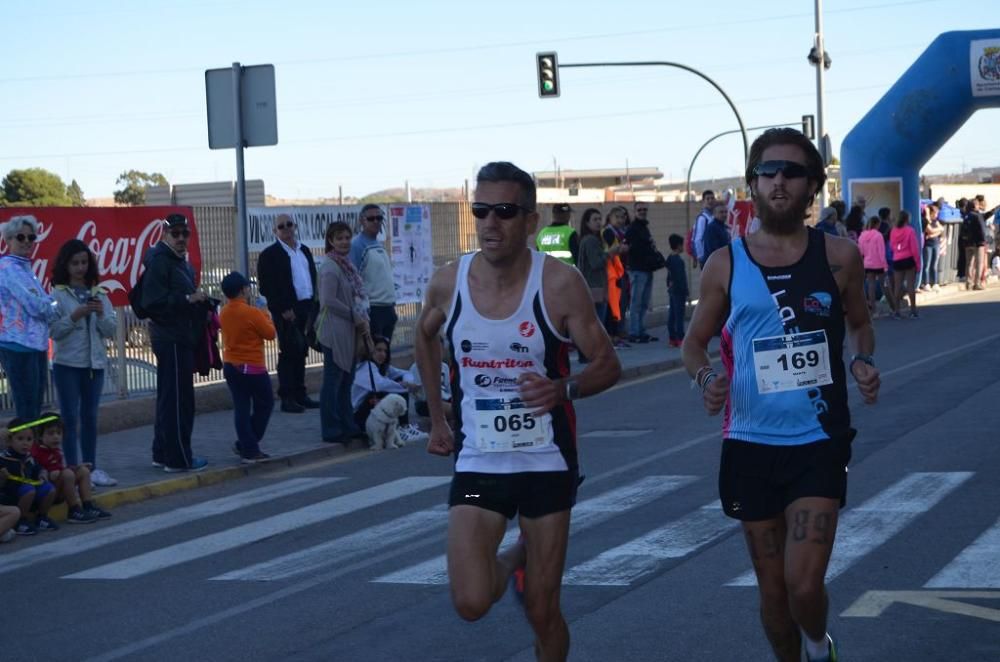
<point>758,481</point>
<point>533,494</point>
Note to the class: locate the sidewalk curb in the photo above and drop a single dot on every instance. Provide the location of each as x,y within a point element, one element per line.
<point>183,482</point>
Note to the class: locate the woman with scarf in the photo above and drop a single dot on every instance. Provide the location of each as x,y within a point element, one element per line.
<point>341,326</point>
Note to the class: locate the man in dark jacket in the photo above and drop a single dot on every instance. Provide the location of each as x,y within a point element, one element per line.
<point>717,231</point>
<point>177,311</point>
<point>643,260</point>
<point>286,275</point>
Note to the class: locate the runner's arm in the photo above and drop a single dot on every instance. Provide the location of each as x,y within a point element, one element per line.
<point>571,309</point>
<point>709,316</point>
<point>428,352</point>
<point>858,318</point>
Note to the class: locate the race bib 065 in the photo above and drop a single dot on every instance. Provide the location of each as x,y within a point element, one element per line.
<point>504,424</point>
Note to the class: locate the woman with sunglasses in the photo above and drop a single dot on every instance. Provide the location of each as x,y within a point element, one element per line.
<point>25,313</point>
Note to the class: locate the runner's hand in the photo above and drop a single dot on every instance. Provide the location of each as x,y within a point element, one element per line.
<point>716,394</point>
<point>868,381</point>
<point>442,442</point>
<point>539,393</point>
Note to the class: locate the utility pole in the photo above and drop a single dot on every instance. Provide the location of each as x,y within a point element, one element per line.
<point>821,62</point>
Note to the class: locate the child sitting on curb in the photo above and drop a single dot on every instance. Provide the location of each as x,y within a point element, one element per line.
<point>72,484</point>
<point>25,485</point>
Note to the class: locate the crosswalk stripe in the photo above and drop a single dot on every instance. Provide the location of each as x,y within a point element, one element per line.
<point>862,529</point>
<point>586,514</point>
<point>978,566</point>
<point>102,534</point>
<point>626,563</point>
<point>341,550</point>
<point>254,531</point>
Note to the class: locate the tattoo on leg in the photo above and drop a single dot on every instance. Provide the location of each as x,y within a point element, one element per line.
<point>821,526</point>
<point>801,527</point>
<point>769,546</point>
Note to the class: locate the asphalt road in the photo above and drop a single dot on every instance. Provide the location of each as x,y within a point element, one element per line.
<point>342,561</point>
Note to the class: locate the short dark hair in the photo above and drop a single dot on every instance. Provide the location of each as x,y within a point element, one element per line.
<point>903,219</point>
<point>980,198</point>
<point>706,193</point>
<point>787,136</point>
<point>51,420</point>
<point>676,241</point>
<point>333,230</point>
<point>369,207</point>
<point>60,272</point>
<point>505,171</point>
<point>884,213</point>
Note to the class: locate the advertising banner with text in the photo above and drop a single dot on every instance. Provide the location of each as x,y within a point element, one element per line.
<point>310,222</point>
<point>118,236</point>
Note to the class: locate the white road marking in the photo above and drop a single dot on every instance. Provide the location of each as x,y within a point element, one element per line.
<point>102,534</point>
<point>585,515</point>
<point>254,531</point>
<point>862,529</point>
<point>622,565</point>
<point>340,550</point>
<point>978,566</point>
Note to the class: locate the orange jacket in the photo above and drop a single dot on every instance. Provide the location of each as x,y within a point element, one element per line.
<point>244,330</point>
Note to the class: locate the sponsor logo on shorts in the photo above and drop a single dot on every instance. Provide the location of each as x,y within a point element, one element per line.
<point>496,364</point>
<point>526,329</point>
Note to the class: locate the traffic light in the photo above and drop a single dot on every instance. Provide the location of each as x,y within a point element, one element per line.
<point>809,126</point>
<point>548,75</point>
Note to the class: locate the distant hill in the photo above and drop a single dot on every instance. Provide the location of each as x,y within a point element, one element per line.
<point>417,194</point>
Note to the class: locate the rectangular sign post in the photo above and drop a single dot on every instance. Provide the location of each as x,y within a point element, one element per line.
<point>241,113</point>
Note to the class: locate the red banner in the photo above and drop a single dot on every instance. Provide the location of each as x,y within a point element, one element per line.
<point>118,236</point>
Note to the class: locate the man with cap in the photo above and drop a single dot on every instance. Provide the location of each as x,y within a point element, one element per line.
<point>559,239</point>
<point>177,314</point>
<point>244,330</point>
<point>372,262</point>
<point>286,276</point>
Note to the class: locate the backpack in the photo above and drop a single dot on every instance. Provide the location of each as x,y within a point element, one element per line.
<point>689,243</point>
<point>135,299</point>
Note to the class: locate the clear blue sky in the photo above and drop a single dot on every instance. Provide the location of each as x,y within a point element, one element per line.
<point>370,94</point>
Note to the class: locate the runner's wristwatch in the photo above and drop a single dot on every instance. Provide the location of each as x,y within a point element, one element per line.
<point>572,389</point>
<point>864,358</point>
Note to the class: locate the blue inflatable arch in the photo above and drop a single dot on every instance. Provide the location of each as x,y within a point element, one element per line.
<point>958,74</point>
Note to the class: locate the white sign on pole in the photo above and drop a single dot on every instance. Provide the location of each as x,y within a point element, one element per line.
<point>412,251</point>
<point>258,111</point>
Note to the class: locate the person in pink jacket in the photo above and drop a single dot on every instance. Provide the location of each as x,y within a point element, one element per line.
<point>871,243</point>
<point>905,261</point>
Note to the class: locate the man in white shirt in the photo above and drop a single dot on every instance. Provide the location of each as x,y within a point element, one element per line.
<point>704,218</point>
<point>287,277</point>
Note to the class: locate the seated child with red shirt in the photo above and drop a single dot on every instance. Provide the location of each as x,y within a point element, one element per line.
<point>24,483</point>
<point>72,484</point>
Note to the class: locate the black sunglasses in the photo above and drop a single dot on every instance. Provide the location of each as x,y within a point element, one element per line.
<point>177,234</point>
<point>289,224</point>
<point>504,210</point>
<point>641,210</point>
<point>375,219</point>
<point>27,237</point>
<point>790,169</point>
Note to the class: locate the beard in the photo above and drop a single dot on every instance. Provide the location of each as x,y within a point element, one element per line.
<point>784,221</point>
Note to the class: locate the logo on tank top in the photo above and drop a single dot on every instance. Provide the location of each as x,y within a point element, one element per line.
<point>499,383</point>
<point>497,364</point>
<point>519,348</point>
<point>818,303</point>
<point>471,346</point>
<point>526,329</point>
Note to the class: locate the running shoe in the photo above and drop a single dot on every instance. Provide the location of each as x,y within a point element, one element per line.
<point>197,464</point>
<point>412,434</point>
<point>158,464</point>
<point>100,478</point>
<point>79,516</point>
<point>24,528</point>
<point>831,656</point>
<point>256,459</point>
<point>44,523</point>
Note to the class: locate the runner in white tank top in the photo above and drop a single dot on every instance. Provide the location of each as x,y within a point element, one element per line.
<point>508,314</point>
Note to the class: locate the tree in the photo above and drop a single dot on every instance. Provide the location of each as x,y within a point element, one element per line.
<point>133,186</point>
<point>75,194</point>
<point>34,187</point>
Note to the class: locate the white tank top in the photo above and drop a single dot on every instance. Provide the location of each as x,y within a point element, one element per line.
<point>494,432</point>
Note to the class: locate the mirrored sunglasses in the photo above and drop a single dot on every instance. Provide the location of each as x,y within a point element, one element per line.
<point>503,210</point>
<point>770,169</point>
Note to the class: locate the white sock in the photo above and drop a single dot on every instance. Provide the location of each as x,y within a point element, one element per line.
<point>816,650</point>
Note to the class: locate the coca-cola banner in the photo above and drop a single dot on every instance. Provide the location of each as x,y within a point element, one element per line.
<point>118,236</point>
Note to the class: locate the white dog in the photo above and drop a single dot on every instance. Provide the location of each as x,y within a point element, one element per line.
<point>383,422</point>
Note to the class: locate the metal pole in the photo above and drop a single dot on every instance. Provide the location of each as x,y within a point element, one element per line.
<point>242,249</point>
<point>739,120</point>
<point>820,102</point>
